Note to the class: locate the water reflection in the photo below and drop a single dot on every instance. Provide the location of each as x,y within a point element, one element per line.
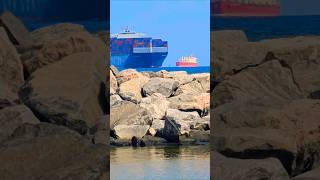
<point>156,163</point>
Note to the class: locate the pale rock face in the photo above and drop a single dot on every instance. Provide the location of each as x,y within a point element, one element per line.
<point>113,84</point>
<point>199,102</point>
<point>156,127</point>
<point>194,87</point>
<point>203,79</point>
<point>166,87</point>
<point>182,120</point>
<point>115,99</point>
<point>127,75</point>
<point>129,131</point>
<point>156,104</point>
<point>131,90</point>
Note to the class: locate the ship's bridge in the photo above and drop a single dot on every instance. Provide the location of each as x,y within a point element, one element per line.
<point>128,34</point>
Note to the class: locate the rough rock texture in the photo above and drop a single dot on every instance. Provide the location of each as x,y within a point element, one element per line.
<point>115,99</point>
<point>163,86</point>
<point>128,113</point>
<point>264,103</point>
<point>69,92</point>
<point>189,102</point>
<point>64,44</point>
<point>311,175</point>
<point>126,75</point>
<point>130,131</point>
<point>223,168</point>
<point>16,30</point>
<point>113,84</point>
<point>51,152</point>
<point>13,117</point>
<point>131,90</point>
<point>157,127</point>
<point>7,97</point>
<point>156,104</point>
<point>11,72</point>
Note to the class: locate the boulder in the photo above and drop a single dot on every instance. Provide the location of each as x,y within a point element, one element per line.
<point>170,131</point>
<point>194,87</point>
<point>41,152</point>
<point>223,168</point>
<point>200,136</point>
<point>113,84</point>
<point>290,134</point>
<point>182,120</point>
<point>130,131</point>
<point>11,71</point>
<point>55,50</point>
<point>15,29</point>
<point>191,102</point>
<point>156,104</point>
<point>131,90</point>
<point>201,124</point>
<point>254,84</point>
<point>7,97</point>
<point>163,86</point>
<point>13,117</point>
<point>128,113</point>
<point>181,76</point>
<point>310,175</point>
<point>115,99</point>
<point>69,92</point>
<point>203,79</point>
<point>114,70</point>
<point>127,75</point>
<point>157,127</point>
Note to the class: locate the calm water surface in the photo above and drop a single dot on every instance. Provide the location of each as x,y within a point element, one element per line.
<point>157,163</point>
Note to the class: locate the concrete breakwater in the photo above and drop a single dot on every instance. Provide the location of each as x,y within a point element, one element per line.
<point>156,108</point>
<point>265,107</point>
<point>52,102</point>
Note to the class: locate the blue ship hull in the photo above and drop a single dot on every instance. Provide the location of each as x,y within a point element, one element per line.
<point>138,60</point>
<point>62,10</point>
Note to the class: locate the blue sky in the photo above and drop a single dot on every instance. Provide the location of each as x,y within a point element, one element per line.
<point>185,24</point>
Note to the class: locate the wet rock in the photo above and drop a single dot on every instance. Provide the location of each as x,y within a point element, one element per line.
<point>41,151</point>
<point>72,99</point>
<point>128,113</point>
<point>170,131</point>
<point>13,117</point>
<point>156,104</point>
<point>11,71</point>
<point>166,87</point>
<point>15,29</point>
<point>249,169</point>
<point>130,131</point>
<point>200,136</point>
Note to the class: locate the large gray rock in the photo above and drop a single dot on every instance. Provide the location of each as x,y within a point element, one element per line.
<point>16,30</point>
<point>69,92</point>
<point>310,175</point>
<point>182,120</point>
<point>223,168</point>
<point>41,152</point>
<point>156,104</point>
<point>191,102</point>
<point>128,113</point>
<point>131,90</point>
<point>163,86</point>
<point>13,117</point>
<point>11,71</point>
<point>65,44</point>
<point>7,97</point>
<point>130,131</point>
<point>157,127</point>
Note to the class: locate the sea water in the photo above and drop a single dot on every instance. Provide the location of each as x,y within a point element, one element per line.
<point>160,163</point>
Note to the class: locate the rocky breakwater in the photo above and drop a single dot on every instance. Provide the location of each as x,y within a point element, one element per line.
<point>265,107</point>
<point>157,108</point>
<point>52,102</point>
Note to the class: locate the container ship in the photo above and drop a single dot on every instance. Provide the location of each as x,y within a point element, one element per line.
<point>129,49</point>
<point>245,8</point>
<point>57,9</point>
<point>187,61</point>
